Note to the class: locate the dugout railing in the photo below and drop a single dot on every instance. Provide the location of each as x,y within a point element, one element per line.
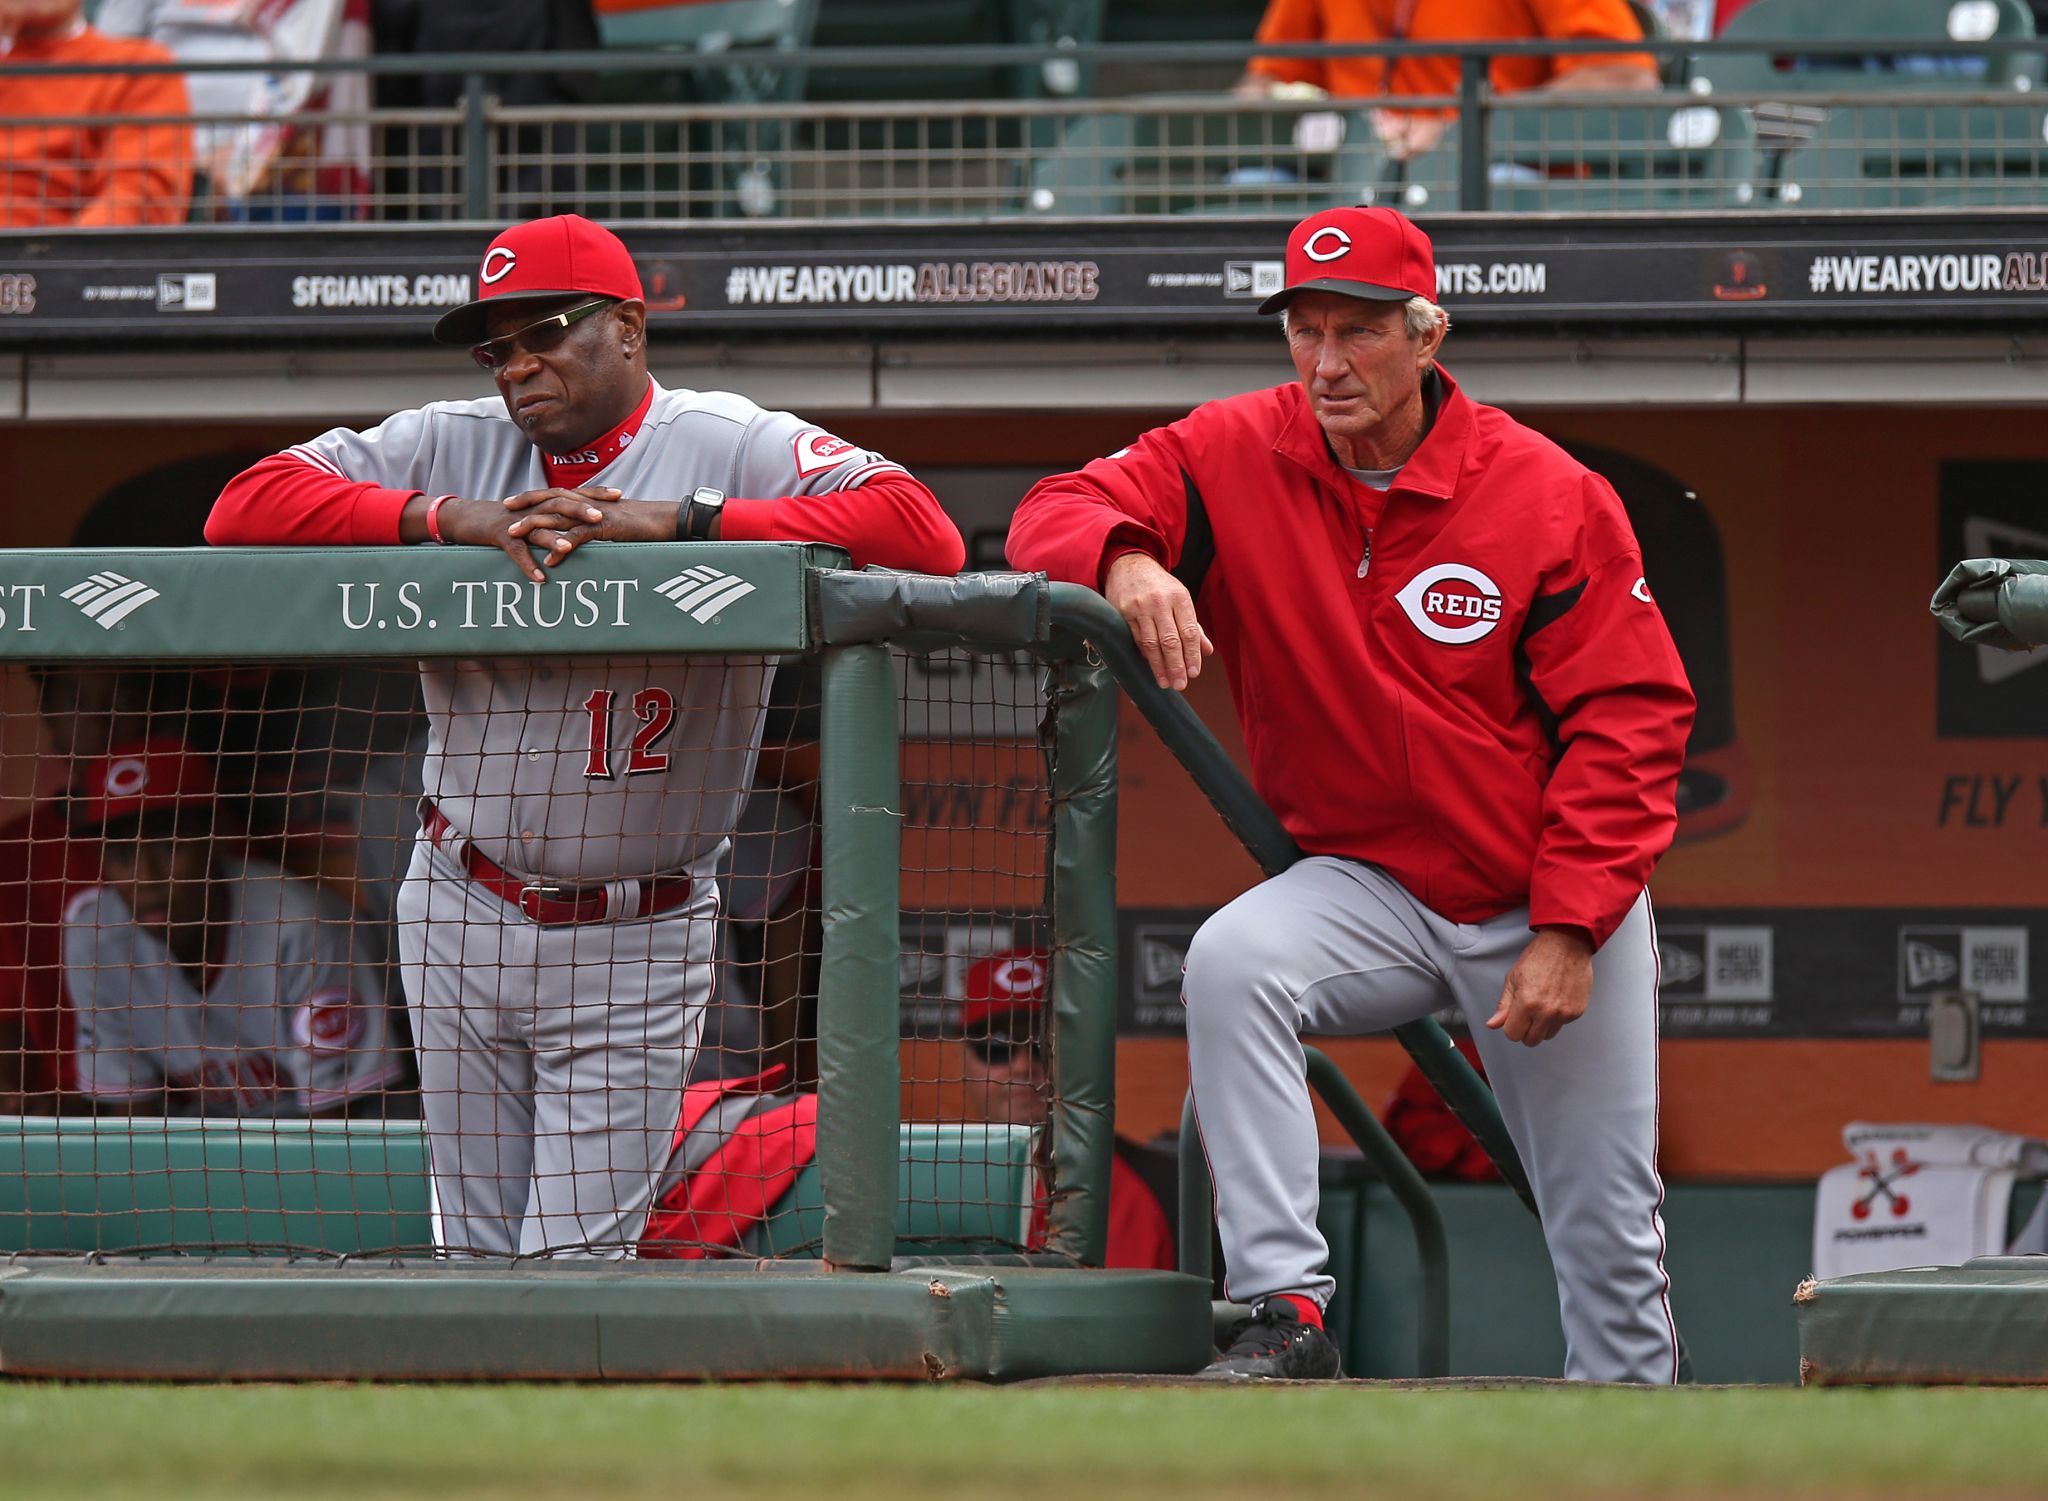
<point>1909,116</point>
<point>201,1245</point>
<point>957,1244</point>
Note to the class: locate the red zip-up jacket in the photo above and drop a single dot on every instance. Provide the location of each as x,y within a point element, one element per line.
<point>1462,679</point>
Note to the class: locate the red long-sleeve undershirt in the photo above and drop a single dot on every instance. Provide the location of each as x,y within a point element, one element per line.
<point>891,520</point>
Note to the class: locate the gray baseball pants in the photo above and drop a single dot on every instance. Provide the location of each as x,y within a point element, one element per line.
<point>551,1060</point>
<point>1334,946</point>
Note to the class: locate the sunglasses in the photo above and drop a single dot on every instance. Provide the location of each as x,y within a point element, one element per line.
<point>997,1052</point>
<point>537,338</point>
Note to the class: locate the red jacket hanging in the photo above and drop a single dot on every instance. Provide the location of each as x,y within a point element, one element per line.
<point>1462,679</point>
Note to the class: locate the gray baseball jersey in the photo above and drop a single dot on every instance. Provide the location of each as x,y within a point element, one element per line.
<point>292,1020</point>
<point>552,1059</point>
<point>511,758</point>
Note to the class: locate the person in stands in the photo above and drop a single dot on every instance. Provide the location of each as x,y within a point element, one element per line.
<point>87,150</point>
<point>1408,133</point>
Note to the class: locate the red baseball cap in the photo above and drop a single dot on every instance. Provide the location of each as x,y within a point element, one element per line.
<point>1007,981</point>
<point>138,778</point>
<point>1374,253</point>
<point>544,260</point>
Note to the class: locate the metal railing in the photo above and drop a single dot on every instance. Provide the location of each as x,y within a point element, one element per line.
<point>696,135</point>
<point>1389,1163</point>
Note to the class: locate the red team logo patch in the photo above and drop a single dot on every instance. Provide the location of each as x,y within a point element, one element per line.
<point>328,1024</point>
<point>817,451</point>
<point>1014,977</point>
<point>126,776</point>
<point>1452,602</point>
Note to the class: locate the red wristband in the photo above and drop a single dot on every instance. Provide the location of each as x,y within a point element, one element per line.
<point>434,520</point>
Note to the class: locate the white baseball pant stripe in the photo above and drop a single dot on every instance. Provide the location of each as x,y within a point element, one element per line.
<point>1337,947</point>
<point>551,1060</point>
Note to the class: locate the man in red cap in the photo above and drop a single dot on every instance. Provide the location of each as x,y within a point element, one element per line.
<point>1460,698</point>
<point>1002,1063</point>
<point>556,927</point>
<point>203,983</point>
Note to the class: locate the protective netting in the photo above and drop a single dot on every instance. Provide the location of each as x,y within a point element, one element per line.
<point>549,986</point>
<point>976,951</point>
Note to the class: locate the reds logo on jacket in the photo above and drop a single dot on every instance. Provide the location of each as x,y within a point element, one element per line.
<point>1461,679</point>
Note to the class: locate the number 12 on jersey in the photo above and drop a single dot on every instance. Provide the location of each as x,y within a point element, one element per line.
<point>655,708</point>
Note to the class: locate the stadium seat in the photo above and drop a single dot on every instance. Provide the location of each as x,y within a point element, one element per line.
<point>1553,158</point>
<point>913,24</point>
<point>1163,161</point>
<point>941,155</point>
<point>1250,160</point>
<point>1181,20</point>
<point>641,169</point>
<point>1890,26</point>
<point>1609,158</point>
<point>1871,154</point>
<point>1920,156</point>
<point>1157,22</point>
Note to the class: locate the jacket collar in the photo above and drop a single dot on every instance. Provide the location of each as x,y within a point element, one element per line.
<point>1431,471</point>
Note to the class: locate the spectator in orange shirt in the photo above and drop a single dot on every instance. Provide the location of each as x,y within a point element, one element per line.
<point>67,159</point>
<point>1408,133</point>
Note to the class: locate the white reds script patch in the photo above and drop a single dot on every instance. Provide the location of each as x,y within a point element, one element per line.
<point>817,451</point>
<point>1452,603</point>
<point>498,264</point>
<point>1642,591</point>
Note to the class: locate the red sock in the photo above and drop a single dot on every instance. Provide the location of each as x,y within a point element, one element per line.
<point>1306,1307</point>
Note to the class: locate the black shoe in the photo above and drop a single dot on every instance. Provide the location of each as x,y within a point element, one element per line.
<point>1274,1344</point>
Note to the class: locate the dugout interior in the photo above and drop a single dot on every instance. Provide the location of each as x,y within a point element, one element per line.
<point>1902,450</point>
<point>1809,414</point>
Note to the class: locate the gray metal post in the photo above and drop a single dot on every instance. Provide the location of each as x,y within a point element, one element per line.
<point>1473,184</point>
<point>858,1002</point>
<point>1432,1248</point>
<point>1197,1198</point>
<point>478,170</point>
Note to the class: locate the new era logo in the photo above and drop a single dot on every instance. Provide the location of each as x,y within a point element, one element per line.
<point>1679,966</point>
<point>1927,966</point>
<point>701,593</point>
<point>1992,962</point>
<point>110,598</point>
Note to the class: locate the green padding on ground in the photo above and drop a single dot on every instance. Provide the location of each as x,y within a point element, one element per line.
<point>1985,1321</point>
<point>599,1322</point>
<point>116,1185</point>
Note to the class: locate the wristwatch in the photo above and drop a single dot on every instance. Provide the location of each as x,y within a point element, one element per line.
<point>698,521</point>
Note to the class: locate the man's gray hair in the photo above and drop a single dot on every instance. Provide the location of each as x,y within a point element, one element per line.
<point>1418,316</point>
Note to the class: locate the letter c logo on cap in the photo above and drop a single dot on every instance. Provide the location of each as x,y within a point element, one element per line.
<point>126,777</point>
<point>498,264</point>
<point>1312,247</point>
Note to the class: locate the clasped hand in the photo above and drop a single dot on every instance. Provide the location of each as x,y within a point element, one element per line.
<point>556,521</point>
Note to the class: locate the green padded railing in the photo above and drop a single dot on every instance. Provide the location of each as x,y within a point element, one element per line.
<point>298,605</point>
<point>81,1185</point>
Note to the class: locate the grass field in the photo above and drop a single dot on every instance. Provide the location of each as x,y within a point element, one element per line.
<point>911,1443</point>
